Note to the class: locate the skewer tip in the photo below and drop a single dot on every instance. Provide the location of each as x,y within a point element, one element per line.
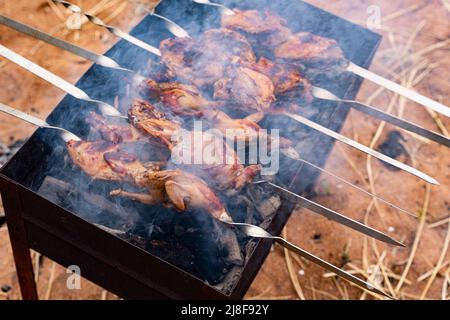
<point>396,243</point>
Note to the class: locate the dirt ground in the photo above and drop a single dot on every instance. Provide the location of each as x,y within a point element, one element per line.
<point>415,51</point>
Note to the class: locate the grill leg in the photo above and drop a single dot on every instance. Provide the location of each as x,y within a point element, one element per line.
<point>19,241</point>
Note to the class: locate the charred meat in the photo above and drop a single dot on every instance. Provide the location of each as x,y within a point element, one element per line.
<point>181,99</point>
<point>102,160</point>
<point>285,78</point>
<point>266,29</point>
<point>177,189</point>
<point>152,122</point>
<point>219,164</point>
<point>203,61</point>
<point>249,89</point>
<point>113,132</point>
<point>310,49</point>
<point>95,158</point>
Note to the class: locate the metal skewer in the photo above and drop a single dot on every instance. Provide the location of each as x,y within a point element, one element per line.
<point>321,93</point>
<point>361,147</point>
<point>257,232</point>
<point>221,7</point>
<point>99,59</point>
<point>369,75</point>
<point>333,215</point>
<point>395,87</point>
<point>173,27</point>
<point>391,205</point>
<point>69,88</point>
<point>65,134</point>
<point>115,31</point>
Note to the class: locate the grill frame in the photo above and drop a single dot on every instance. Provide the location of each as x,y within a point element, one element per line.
<point>118,266</point>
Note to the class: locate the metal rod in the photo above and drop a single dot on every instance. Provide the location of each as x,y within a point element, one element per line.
<point>392,86</point>
<point>393,206</point>
<point>258,232</point>
<point>117,32</point>
<point>321,93</point>
<point>221,7</point>
<point>361,147</point>
<point>65,134</point>
<point>62,84</point>
<point>335,216</point>
<point>99,59</point>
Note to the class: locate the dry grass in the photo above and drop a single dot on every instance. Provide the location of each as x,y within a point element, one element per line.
<point>438,264</point>
<point>292,274</point>
<point>417,238</point>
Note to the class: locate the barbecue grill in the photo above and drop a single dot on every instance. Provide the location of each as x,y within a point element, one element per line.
<point>73,222</point>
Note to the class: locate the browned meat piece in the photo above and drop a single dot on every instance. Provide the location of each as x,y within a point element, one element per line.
<point>153,123</point>
<point>102,160</point>
<point>285,78</point>
<point>94,158</point>
<point>113,132</point>
<point>219,163</point>
<point>246,129</point>
<point>181,98</point>
<point>203,61</point>
<point>250,90</point>
<point>308,48</point>
<point>178,189</point>
<point>265,29</point>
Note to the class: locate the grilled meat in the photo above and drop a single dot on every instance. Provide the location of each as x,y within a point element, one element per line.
<point>95,159</point>
<point>153,123</point>
<point>285,78</point>
<point>115,133</point>
<point>244,129</point>
<point>219,164</point>
<point>178,189</point>
<point>265,29</point>
<point>181,98</point>
<point>203,61</point>
<point>249,89</point>
<point>269,31</point>
<point>102,160</point>
<point>307,48</point>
